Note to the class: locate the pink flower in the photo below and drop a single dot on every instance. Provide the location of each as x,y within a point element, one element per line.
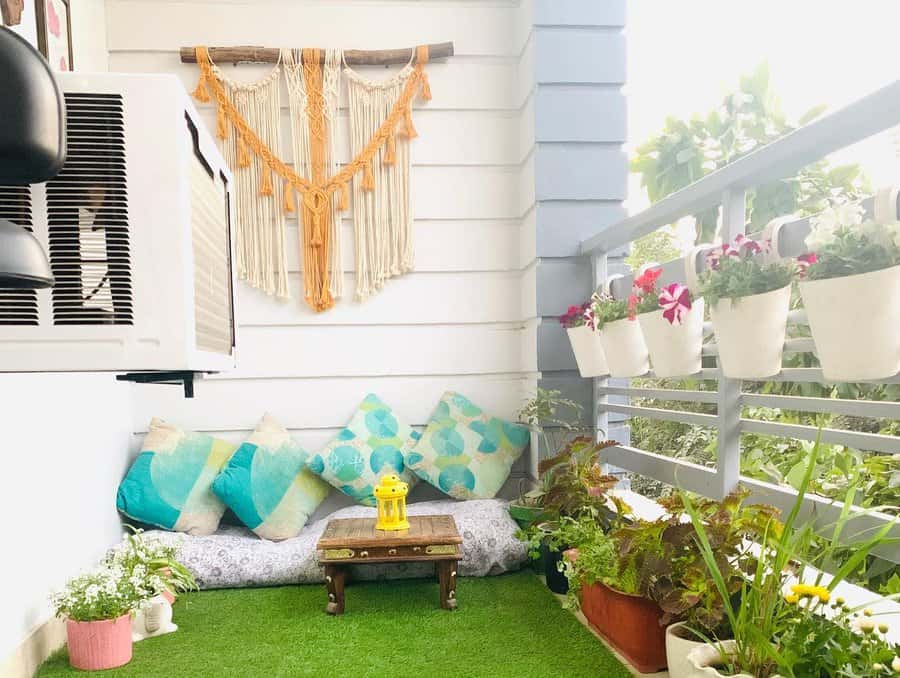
<point>804,261</point>
<point>675,300</point>
<point>571,555</point>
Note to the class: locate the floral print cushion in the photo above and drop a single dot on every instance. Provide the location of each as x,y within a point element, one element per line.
<point>372,445</point>
<point>170,483</point>
<point>267,485</point>
<point>234,557</point>
<point>465,452</point>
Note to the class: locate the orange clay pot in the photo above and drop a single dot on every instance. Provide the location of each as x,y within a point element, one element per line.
<point>629,623</point>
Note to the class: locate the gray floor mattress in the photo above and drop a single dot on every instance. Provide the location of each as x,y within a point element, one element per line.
<point>235,557</point>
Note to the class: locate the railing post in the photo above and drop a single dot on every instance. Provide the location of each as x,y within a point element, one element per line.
<point>728,457</point>
<point>600,400</point>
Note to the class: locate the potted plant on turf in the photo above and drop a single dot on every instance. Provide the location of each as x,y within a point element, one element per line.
<point>671,323</point>
<point>151,557</point>
<point>575,486</point>
<point>767,638</point>
<point>655,600</point>
<point>579,324</point>
<point>749,301</point>
<point>97,607</point>
<point>621,337</point>
<point>851,292</point>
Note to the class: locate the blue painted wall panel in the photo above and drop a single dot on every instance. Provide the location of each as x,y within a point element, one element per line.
<point>579,12</point>
<point>579,55</point>
<point>563,224</point>
<point>579,113</point>
<point>561,283</point>
<point>580,172</point>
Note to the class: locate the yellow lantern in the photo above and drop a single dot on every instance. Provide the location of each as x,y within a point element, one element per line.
<point>390,496</point>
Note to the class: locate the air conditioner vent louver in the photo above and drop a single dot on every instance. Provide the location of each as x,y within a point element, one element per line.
<point>87,217</point>
<point>17,307</point>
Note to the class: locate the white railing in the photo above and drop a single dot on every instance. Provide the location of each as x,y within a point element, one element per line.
<point>727,187</point>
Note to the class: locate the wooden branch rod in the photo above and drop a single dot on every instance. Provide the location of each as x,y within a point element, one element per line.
<point>354,57</point>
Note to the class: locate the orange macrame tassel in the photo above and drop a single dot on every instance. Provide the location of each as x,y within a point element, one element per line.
<point>344,200</point>
<point>390,153</point>
<point>368,182</point>
<point>201,93</point>
<point>243,157</point>
<point>265,187</point>
<point>289,198</point>
<point>221,124</point>
<point>409,130</point>
<point>317,230</point>
<point>426,88</point>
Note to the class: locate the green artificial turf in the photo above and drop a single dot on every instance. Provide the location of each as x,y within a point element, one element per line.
<point>505,626</point>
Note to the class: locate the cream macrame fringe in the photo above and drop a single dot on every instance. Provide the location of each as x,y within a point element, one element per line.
<point>382,221</point>
<point>297,96</point>
<point>259,217</point>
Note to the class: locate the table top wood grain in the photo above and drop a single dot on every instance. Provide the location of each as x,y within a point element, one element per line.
<point>356,533</point>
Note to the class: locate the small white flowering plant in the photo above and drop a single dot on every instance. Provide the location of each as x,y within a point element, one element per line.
<point>843,242</point>
<point>107,592</point>
<point>153,560</point>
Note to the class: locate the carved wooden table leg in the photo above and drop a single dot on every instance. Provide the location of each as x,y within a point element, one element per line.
<point>335,577</point>
<point>446,571</point>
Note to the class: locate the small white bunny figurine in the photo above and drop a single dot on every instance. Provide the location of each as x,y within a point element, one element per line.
<point>153,620</point>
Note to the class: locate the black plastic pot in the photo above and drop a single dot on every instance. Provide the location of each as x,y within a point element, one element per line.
<point>556,580</point>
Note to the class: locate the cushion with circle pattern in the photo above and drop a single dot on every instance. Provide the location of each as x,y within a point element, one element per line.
<point>465,452</point>
<point>372,445</point>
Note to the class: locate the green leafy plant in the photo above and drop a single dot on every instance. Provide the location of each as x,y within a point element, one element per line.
<point>761,624</point>
<point>845,244</point>
<point>741,270</point>
<point>107,592</point>
<point>746,119</point>
<point>607,310</point>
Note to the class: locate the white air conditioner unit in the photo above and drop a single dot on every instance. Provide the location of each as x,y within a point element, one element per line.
<point>137,227</point>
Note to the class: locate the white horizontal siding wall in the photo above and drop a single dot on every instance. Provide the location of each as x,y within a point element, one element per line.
<point>459,321</point>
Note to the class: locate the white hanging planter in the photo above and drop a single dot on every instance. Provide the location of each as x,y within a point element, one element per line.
<point>625,349</point>
<point>750,333</point>
<point>679,644</point>
<point>588,350</point>
<point>855,322</point>
<point>675,350</point>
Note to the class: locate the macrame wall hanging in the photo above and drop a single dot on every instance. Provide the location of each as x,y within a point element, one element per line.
<point>381,127</point>
<point>382,223</point>
<point>313,96</point>
<point>259,219</point>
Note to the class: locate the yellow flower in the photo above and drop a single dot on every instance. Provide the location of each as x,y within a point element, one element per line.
<point>883,627</point>
<point>811,591</point>
<point>792,598</point>
<point>840,600</point>
<point>868,612</point>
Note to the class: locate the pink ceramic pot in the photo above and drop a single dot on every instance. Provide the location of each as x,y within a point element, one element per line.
<point>98,645</point>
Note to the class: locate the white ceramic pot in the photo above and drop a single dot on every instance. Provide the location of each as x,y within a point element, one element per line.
<point>626,352</point>
<point>588,351</point>
<point>855,322</point>
<point>679,644</point>
<point>675,350</point>
<point>750,333</point>
<point>704,659</point>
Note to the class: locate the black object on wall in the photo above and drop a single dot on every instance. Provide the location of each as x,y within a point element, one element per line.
<point>32,150</point>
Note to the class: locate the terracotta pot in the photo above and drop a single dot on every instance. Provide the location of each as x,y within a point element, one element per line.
<point>588,351</point>
<point>98,645</point>
<point>675,350</point>
<point>628,623</point>
<point>679,644</point>
<point>855,322</point>
<point>750,333</point>
<point>625,349</point>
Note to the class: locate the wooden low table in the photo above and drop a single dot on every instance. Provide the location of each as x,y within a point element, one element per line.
<point>355,541</point>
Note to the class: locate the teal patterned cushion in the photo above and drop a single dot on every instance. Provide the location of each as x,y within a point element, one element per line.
<point>267,485</point>
<point>372,445</point>
<point>170,483</point>
<point>465,452</point>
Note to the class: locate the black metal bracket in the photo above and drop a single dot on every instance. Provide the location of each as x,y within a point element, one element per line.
<point>183,378</point>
